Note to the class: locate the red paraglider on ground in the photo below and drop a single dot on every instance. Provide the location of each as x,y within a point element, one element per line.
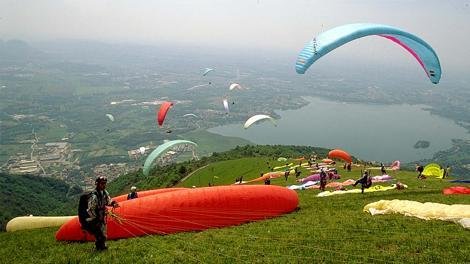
<point>163,111</point>
<point>340,154</point>
<point>456,190</point>
<point>189,210</point>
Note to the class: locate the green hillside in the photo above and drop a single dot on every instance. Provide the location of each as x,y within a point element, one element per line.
<point>25,195</point>
<point>323,230</point>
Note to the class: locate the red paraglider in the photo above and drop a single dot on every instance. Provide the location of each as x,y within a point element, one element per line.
<point>190,210</point>
<point>456,190</point>
<point>340,154</point>
<point>163,111</point>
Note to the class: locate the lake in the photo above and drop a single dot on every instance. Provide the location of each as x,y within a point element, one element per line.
<point>367,131</point>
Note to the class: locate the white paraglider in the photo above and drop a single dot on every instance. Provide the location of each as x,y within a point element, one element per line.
<point>142,150</point>
<point>225,102</point>
<point>235,86</point>
<point>257,118</point>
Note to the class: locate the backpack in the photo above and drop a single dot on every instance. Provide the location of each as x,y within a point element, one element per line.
<point>82,209</point>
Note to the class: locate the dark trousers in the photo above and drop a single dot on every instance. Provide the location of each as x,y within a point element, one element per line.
<point>364,184</point>
<point>98,229</point>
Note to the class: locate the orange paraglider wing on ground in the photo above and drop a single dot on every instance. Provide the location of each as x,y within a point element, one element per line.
<point>190,210</point>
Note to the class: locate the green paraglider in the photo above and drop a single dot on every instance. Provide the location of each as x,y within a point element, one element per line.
<point>161,150</point>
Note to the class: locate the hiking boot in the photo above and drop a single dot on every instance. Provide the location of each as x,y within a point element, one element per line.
<point>102,248</point>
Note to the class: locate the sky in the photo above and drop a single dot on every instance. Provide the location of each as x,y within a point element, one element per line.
<point>274,25</point>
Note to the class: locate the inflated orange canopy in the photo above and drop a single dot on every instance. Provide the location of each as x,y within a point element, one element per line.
<point>162,112</point>
<point>340,154</point>
<point>190,210</point>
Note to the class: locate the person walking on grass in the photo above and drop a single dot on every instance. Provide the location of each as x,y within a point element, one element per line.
<point>323,179</point>
<point>96,222</point>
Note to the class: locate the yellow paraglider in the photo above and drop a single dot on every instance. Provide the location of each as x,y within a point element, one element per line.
<point>33,222</point>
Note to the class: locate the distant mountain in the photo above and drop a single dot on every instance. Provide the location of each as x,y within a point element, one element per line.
<point>18,51</point>
<point>25,195</point>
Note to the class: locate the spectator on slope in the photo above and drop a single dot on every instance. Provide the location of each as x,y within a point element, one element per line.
<point>447,172</point>
<point>419,169</point>
<point>323,179</point>
<point>297,173</point>
<point>267,181</point>
<point>133,194</point>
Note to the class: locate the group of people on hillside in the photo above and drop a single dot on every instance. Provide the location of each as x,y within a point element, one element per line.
<point>93,218</point>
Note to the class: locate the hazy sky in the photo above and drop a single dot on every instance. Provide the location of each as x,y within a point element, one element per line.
<point>238,24</point>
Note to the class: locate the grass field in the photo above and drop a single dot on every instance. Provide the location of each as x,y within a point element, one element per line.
<point>323,230</point>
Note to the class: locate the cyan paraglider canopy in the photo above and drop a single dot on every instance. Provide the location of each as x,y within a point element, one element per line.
<point>336,37</point>
<point>156,153</point>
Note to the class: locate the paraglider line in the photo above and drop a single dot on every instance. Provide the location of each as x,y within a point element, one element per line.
<point>138,226</point>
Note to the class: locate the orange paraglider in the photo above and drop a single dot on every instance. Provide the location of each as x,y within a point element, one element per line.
<point>163,111</point>
<point>191,209</point>
<point>340,154</point>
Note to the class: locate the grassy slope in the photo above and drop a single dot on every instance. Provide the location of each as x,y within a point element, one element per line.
<point>331,229</point>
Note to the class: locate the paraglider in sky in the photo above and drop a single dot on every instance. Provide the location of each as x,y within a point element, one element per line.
<point>206,71</point>
<point>190,115</point>
<point>142,150</point>
<point>225,102</point>
<point>235,86</point>
<point>162,149</point>
<point>340,154</point>
<point>191,209</point>
<point>163,111</point>
<point>198,86</point>
<point>336,37</point>
<point>257,118</point>
<point>110,116</point>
